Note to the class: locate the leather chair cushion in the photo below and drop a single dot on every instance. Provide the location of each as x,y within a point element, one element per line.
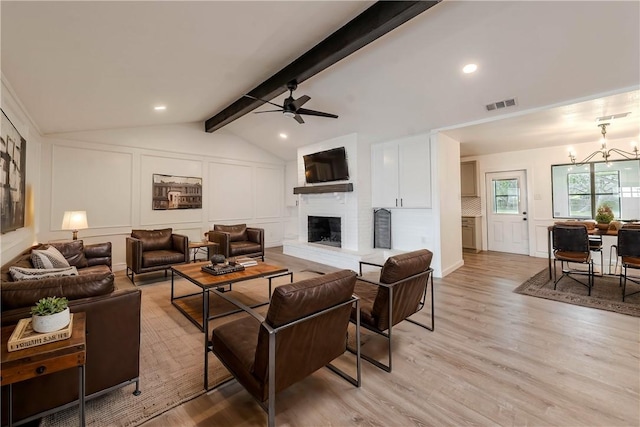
<point>401,266</point>
<point>237,233</point>
<point>161,257</point>
<point>90,282</point>
<point>235,343</point>
<point>367,293</point>
<point>153,240</point>
<point>73,252</point>
<point>572,256</point>
<point>631,261</point>
<point>243,248</point>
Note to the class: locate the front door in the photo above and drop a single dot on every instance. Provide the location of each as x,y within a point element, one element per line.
<point>507,228</point>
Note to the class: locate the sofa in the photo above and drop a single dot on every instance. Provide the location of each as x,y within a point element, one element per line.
<point>112,326</point>
<point>238,240</point>
<point>154,250</point>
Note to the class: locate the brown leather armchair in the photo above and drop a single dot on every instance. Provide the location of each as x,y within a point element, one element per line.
<point>153,250</point>
<point>308,321</point>
<point>238,240</point>
<point>400,292</point>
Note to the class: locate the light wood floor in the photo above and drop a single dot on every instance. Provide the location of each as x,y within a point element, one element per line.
<point>495,358</point>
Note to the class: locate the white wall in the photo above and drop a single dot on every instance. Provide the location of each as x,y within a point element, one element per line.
<point>109,174</point>
<point>447,204</point>
<point>16,241</point>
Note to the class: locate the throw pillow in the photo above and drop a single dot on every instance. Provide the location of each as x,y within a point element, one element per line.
<point>73,252</point>
<point>48,258</point>
<point>19,273</point>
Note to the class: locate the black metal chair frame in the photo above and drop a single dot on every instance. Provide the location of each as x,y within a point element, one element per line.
<point>388,335</point>
<point>578,246</point>
<point>269,405</point>
<point>622,250</point>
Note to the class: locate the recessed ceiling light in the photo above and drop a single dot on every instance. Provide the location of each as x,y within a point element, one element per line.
<point>469,68</point>
<point>160,107</point>
<point>284,136</point>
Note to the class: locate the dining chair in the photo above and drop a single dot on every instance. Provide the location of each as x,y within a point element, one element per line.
<point>571,246</point>
<point>628,249</point>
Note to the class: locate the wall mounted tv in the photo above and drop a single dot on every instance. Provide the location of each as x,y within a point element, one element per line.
<point>326,166</point>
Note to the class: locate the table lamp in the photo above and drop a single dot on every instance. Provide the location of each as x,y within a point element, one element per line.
<point>75,220</point>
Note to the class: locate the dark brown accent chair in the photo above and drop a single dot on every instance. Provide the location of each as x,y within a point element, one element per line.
<point>153,250</point>
<point>304,330</point>
<point>238,240</point>
<point>571,245</point>
<point>628,249</point>
<point>400,292</point>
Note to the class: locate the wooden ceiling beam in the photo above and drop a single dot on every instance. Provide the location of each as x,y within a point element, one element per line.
<point>377,20</point>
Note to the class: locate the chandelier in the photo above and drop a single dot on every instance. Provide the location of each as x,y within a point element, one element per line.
<point>604,151</point>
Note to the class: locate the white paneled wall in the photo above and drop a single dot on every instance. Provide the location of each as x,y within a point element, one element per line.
<point>113,183</point>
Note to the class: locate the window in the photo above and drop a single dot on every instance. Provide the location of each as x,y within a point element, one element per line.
<point>506,196</point>
<point>578,190</point>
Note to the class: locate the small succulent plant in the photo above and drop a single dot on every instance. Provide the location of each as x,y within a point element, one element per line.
<point>49,305</point>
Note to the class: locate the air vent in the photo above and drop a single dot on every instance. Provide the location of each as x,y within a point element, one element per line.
<point>501,104</point>
<point>611,117</point>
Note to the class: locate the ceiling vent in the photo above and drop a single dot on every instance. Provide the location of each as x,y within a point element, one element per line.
<point>612,117</point>
<point>501,104</point>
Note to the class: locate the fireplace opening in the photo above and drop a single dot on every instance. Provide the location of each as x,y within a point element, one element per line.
<point>325,230</point>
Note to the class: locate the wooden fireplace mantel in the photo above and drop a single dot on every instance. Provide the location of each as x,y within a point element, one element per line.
<point>329,188</point>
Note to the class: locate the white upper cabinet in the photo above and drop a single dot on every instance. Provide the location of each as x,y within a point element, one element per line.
<point>401,173</point>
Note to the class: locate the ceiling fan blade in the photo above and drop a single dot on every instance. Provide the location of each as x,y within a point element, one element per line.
<point>315,113</point>
<point>258,99</point>
<point>300,102</point>
<point>267,111</point>
<point>298,119</point>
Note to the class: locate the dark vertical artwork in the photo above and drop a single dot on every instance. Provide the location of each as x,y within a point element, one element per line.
<point>13,157</point>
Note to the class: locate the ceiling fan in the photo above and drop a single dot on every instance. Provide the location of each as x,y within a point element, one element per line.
<point>292,107</point>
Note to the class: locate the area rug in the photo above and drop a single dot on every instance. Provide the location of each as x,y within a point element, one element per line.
<point>171,369</point>
<point>606,293</point>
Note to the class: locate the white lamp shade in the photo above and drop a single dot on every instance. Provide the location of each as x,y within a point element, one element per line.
<point>74,220</point>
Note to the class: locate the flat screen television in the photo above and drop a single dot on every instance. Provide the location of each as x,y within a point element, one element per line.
<point>326,166</point>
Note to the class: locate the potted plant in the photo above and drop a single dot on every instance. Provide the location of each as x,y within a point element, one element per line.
<point>50,314</point>
<point>604,215</point>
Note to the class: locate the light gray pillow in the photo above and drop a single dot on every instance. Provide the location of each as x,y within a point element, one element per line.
<point>20,273</point>
<point>48,258</point>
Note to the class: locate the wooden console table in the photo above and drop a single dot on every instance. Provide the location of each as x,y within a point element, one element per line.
<point>22,365</point>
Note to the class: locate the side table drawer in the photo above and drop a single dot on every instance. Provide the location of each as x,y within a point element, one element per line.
<point>35,368</point>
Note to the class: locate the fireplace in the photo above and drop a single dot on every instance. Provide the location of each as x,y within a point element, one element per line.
<point>325,230</point>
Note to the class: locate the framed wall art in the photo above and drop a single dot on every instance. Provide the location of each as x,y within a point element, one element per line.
<point>176,192</point>
<point>13,158</point>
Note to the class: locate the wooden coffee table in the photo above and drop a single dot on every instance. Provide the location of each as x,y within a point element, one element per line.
<point>197,306</point>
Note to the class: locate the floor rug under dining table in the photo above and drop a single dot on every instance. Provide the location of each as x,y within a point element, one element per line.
<point>605,295</point>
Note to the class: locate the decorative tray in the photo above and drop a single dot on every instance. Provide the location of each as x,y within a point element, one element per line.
<point>218,270</point>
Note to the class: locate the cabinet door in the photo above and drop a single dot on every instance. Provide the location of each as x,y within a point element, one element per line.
<point>468,237</point>
<point>384,175</point>
<point>468,180</point>
<point>415,172</point>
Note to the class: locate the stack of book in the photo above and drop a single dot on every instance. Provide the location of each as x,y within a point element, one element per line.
<point>24,336</point>
<point>246,262</point>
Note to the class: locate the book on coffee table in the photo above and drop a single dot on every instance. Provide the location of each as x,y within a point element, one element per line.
<point>247,262</point>
<point>24,336</point>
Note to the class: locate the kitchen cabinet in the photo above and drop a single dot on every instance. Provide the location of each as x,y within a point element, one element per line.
<point>401,173</point>
<point>468,179</point>
<point>471,233</point>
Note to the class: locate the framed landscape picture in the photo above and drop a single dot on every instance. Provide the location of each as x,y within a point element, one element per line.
<point>176,192</point>
<point>13,158</point>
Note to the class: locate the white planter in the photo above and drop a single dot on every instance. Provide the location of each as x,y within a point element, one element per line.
<point>52,322</point>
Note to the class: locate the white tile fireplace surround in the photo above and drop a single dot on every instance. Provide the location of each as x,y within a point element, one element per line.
<point>342,206</point>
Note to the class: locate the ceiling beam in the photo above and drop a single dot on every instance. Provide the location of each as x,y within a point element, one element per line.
<point>377,20</point>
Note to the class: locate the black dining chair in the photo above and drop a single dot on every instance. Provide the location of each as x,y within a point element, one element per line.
<point>571,246</point>
<point>628,248</point>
